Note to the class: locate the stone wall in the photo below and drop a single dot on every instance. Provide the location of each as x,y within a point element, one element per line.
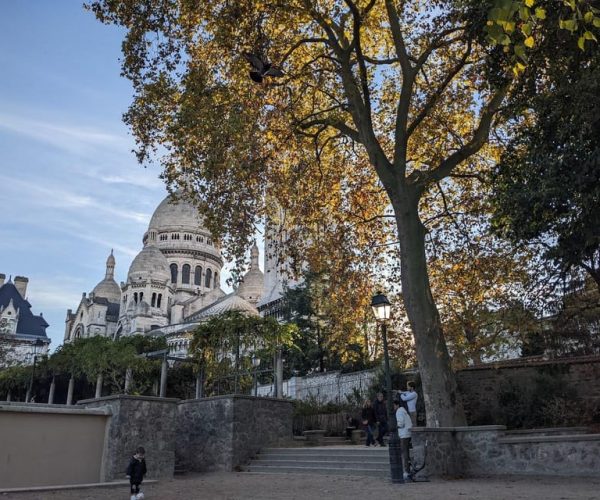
<point>482,387</point>
<point>488,450</point>
<point>138,421</point>
<point>223,432</point>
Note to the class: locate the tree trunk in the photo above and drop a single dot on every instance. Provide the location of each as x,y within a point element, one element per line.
<point>442,401</point>
<point>128,380</point>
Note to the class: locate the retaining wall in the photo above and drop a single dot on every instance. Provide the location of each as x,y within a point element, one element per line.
<point>489,450</point>
<point>223,432</point>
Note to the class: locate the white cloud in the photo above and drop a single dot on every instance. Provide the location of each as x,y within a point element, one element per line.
<point>67,137</point>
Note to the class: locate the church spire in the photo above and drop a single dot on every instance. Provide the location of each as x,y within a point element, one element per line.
<point>110,266</point>
<point>254,256</point>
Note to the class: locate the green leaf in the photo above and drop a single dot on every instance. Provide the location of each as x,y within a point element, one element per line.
<point>526,29</point>
<point>520,52</point>
<point>597,22</point>
<point>588,35</point>
<point>588,17</point>
<point>524,13</point>
<point>568,24</point>
<point>581,43</point>
<point>540,13</point>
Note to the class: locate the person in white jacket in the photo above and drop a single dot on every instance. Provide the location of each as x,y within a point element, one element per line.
<point>404,424</point>
<point>410,396</point>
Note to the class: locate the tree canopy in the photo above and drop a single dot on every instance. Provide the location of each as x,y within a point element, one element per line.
<point>548,180</point>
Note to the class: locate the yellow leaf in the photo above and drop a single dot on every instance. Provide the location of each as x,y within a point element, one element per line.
<point>529,3</point>
<point>529,42</point>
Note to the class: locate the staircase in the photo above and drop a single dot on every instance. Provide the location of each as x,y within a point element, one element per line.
<point>338,460</point>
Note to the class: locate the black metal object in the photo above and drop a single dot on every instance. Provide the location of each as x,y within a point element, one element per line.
<point>394,446</point>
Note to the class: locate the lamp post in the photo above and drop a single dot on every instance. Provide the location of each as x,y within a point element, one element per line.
<point>382,310</point>
<point>255,364</point>
<point>36,345</point>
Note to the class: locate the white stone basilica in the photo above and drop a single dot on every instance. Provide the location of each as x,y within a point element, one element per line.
<point>172,284</point>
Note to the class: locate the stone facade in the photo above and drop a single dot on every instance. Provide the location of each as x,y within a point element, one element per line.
<point>172,284</point>
<point>22,334</point>
<point>223,432</point>
<point>489,450</point>
<point>138,421</point>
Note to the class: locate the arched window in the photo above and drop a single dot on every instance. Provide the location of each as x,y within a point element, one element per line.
<point>198,276</point>
<point>141,296</point>
<point>135,299</point>
<point>153,304</point>
<point>185,274</point>
<point>208,278</point>
<point>174,273</point>
<point>216,280</point>
<point>159,300</point>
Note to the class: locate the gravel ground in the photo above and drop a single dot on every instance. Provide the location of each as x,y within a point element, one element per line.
<point>230,486</point>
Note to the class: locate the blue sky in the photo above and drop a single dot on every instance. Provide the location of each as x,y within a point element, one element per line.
<point>70,188</point>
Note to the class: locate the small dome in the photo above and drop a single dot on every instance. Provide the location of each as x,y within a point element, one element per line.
<point>108,289</point>
<point>150,263</point>
<point>251,286</point>
<point>173,215</point>
<point>231,302</point>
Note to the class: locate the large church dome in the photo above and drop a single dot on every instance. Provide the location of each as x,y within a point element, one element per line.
<point>176,215</point>
<point>150,263</point>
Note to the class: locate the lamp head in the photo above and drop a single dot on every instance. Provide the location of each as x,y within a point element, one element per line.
<point>382,309</point>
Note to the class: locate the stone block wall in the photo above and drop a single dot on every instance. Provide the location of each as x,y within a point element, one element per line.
<point>481,387</point>
<point>138,421</point>
<point>222,432</point>
<point>486,450</point>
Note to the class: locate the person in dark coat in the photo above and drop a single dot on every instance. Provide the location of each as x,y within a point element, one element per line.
<point>136,470</point>
<point>381,416</point>
<point>369,421</point>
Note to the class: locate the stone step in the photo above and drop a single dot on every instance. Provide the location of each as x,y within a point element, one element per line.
<point>325,457</point>
<point>335,460</point>
<point>354,464</point>
<point>341,451</point>
<point>337,471</point>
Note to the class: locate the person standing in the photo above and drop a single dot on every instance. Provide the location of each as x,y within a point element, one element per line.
<point>369,421</point>
<point>136,470</point>
<point>410,397</point>
<point>381,417</point>
<point>404,423</point>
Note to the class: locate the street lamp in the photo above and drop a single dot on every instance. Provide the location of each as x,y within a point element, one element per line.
<point>36,345</point>
<point>382,309</point>
<point>255,364</point>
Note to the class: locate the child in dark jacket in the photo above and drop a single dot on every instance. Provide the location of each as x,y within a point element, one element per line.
<point>136,471</point>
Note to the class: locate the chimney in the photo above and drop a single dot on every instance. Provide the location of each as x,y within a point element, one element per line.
<point>21,284</point>
<point>2,278</point>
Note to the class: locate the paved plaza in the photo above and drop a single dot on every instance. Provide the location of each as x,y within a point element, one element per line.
<point>232,486</point>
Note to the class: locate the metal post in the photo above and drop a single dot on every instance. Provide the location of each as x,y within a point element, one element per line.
<point>394,446</point>
<point>51,392</point>
<point>70,391</point>
<point>99,382</point>
<point>163,378</point>
<point>128,378</point>
<point>255,384</point>
<point>29,394</point>
<point>279,374</point>
<point>199,384</point>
